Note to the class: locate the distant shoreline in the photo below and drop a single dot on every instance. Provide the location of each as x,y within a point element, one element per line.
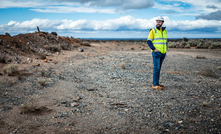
<point>136,39</point>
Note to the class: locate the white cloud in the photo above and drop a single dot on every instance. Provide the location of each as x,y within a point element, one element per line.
<point>67,6</point>
<point>126,23</point>
<point>202,5</point>
<point>120,4</point>
<point>20,3</point>
<point>67,9</point>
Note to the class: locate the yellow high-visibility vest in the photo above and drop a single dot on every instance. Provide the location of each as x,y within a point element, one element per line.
<point>160,40</point>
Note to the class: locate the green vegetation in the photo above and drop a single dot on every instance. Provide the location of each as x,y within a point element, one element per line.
<point>85,43</point>
<point>196,43</point>
<point>11,70</point>
<point>42,82</point>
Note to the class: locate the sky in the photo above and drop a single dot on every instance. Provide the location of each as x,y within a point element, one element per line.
<point>112,18</point>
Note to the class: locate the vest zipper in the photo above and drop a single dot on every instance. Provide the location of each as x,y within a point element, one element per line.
<point>162,37</point>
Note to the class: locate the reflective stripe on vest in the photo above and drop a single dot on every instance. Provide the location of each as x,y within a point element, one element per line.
<point>160,40</point>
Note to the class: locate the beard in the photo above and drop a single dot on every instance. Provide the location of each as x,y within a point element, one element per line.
<point>159,25</point>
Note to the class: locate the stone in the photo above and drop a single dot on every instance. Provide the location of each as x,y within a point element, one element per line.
<point>45,60</point>
<point>7,34</point>
<point>75,100</point>
<point>36,65</point>
<point>80,49</point>
<point>83,104</point>
<point>38,29</point>
<point>63,101</point>
<point>79,98</point>
<point>74,104</point>
<point>219,67</point>
<point>54,33</point>
<point>92,89</point>
<point>180,122</point>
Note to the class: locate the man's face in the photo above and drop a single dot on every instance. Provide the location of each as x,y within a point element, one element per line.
<point>159,23</point>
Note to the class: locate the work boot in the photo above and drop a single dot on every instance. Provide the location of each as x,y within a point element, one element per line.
<point>157,87</point>
<point>161,85</point>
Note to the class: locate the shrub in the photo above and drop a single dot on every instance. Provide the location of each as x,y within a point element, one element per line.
<point>54,48</point>
<point>11,70</point>
<point>42,56</point>
<point>185,39</point>
<point>64,46</point>
<point>208,43</point>
<point>123,66</point>
<point>43,72</point>
<point>30,104</point>
<point>177,44</point>
<point>208,72</point>
<point>171,44</point>
<point>85,43</point>
<point>78,40</point>
<point>215,44</point>
<point>201,44</point>
<point>183,44</point>
<point>193,43</point>
<point>42,82</point>
<point>74,45</point>
<point>219,67</point>
<point>187,46</point>
<point>211,47</point>
<point>142,48</point>
<point>200,57</point>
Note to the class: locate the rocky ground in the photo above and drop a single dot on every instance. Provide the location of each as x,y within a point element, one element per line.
<point>107,89</point>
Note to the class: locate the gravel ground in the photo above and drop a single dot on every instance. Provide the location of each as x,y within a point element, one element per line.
<point>110,92</point>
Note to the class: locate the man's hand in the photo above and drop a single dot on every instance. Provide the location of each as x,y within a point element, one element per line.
<point>155,50</point>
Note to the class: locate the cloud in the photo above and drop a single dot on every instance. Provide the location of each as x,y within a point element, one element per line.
<point>212,6</point>
<point>20,3</point>
<point>194,6</point>
<point>211,16</point>
<point>119,4</point>
<point>67,9</point>
<point>77,5</point>
<point>118,25</point>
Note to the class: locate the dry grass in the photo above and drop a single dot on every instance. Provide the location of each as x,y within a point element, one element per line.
<point>200,57</point>
<point>123,66</point>
<point>85,43</point>
<point>208,72</point>
<point>43,72</point>
<point>55,48</point>
<point>11,70</point>
<point>42,56</point>
<point>30,104</point>
<point>43,82</point>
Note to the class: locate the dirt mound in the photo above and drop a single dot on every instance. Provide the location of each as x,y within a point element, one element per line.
<point>33,45</point>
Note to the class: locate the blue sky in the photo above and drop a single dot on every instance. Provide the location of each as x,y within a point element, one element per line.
<point>112,18</point>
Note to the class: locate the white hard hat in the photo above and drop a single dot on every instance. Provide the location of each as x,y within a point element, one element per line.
<point>160,18</point>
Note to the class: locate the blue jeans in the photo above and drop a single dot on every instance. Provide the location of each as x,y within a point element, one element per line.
<point>157,62</point>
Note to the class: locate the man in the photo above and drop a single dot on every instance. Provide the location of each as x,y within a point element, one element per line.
<point>157,41</point>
